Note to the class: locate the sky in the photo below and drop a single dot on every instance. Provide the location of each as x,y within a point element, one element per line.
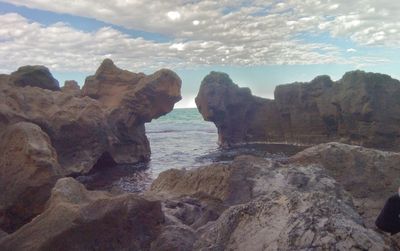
<point>259,43</point>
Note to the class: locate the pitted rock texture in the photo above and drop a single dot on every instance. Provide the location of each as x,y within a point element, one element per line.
<point>361,108</point>
<point>130,100</point>
<point>267,205</point>
<point>77,219</point>
<point>370,176</point>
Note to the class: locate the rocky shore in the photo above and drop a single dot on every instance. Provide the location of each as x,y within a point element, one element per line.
<point>325,197</point>
<point>361,108</point>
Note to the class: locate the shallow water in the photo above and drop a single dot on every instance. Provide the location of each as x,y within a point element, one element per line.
<point>180,139</point>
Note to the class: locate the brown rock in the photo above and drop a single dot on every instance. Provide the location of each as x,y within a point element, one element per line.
<point>370,176</point>
<point>71,87</point>
<point>272,206</point>
<point>37,76</point>
<point>77,219</point>
<point>2,234</point>
<point>28,171</point>
<point>361,108</point>
<point>76,126</point>
<point>131,100</point>
<point>238,115</point>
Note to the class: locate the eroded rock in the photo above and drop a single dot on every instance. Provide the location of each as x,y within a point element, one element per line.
<point>130,100</point>
<point>71,87</point>
<point>273,206</point>
<point>28,171</point>
<point>361,108</point>
<point>36,76</point>
<point>371,176</point>
<point>77,219</point>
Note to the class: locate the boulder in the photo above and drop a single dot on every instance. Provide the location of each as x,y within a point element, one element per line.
<point>71,87</point>
<point>28,171</point>
<point>77,219</point>
<point>272,206</point>
<point>36,75</point>
<point>130,100</point>
<point>361,108</point>
<point>370,176</point>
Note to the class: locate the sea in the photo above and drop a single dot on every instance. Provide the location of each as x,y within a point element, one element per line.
<point>182,140</point>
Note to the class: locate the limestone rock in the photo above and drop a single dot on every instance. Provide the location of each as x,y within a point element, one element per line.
<point>77,219</point>
<point>36,75</point>
<point>71,87</point>
<point>237,114</point>
<point>361,108</point>
<point>370,176</point>
<point>76,126</point>
<point>273,206</point>
<point>28,171</point>
<point>131,100</point>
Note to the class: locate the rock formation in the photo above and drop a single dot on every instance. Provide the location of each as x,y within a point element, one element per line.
<point>83,129</point>
<point>130,100</point>
<point>71,87</point>
<point>72,133</point>
<point>370,176</point>
<point>37,75</point>
<point>361,108</point>
<point>28,171</point>
<point>270,206</point>
<point>77,219</point>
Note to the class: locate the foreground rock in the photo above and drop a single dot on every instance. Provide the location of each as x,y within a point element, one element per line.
<point>272,207</point>
<point>77,219</point>
<point>361,108</point>
<point>28,171</point>
<point>369,175</point>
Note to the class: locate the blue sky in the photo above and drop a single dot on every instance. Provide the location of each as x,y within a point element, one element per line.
<point>260,44</point>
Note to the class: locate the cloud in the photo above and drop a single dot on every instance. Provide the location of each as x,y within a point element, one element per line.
<point>203,32</point>
<point>351,50</point>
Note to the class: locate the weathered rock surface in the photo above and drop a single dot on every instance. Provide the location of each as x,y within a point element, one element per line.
<point>271,206</point>
<point>130,100</point>
<point>361,108</point>
<point>36,76</point>
<point>28,171</point>
<point>71,87</point>
<point>77,219</point>
<point>84,130</point>
<point>370,176</point>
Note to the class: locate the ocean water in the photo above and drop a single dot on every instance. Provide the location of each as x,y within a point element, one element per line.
<point>182,140</point>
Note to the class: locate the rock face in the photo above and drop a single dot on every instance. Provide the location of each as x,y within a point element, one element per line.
<point>370,176</point>
<point>130,100</point>
<point>37,75</point>
<point>77,219</point>
<point>28,171</point>
<point>270,206</point>
<point>361,108</point>
<point>84,130</point>
<point>71,87</point>
<point>47,134</point>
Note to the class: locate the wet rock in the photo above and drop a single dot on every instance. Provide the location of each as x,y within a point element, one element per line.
<point>361,108</point>
<point>77,219</point>
<point>36,75</point>
<point>28,171</point>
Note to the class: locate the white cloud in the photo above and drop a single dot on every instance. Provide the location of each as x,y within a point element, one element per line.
<point>351,50</point>
<point>203,32</point>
